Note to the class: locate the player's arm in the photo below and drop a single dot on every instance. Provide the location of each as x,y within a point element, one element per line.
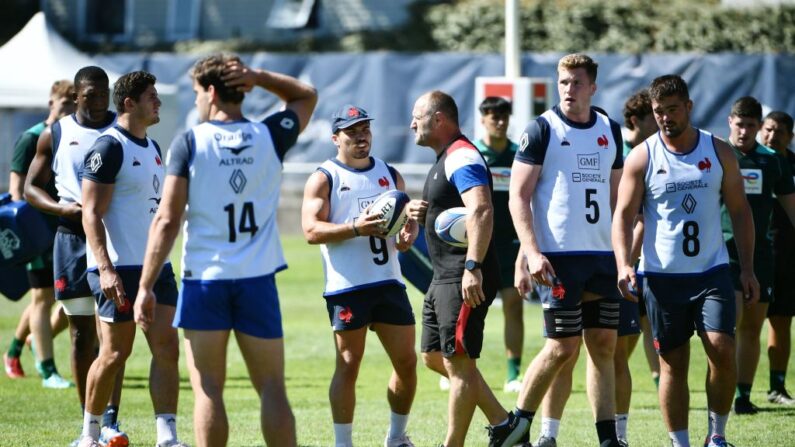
<point>630,195</point>
<point>162,234</point>
<point>733,194</point>
<point>637,239</point>
<point>299,97</point>
<point>408,234</point>
<point>479,223</point>
<point>524,178</point>
<point>39,175</point>
<point>315,211</point>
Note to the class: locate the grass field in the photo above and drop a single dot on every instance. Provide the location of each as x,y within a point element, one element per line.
<point>33,416</point>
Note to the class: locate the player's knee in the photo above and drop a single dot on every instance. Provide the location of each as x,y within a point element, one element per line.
<point>406,364</point>
<point>563,350</point>
<point>114,359</point>
<point>433,361</point>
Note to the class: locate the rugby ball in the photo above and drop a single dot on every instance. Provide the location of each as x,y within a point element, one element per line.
<point>451,226</point>
<point>391,206</point>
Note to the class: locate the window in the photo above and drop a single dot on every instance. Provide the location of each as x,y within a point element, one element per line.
<point>183,19</point>
<point>105,19</point>
<point>294,14</point>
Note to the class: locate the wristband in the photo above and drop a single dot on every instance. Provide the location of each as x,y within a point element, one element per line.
<point>353,226</point>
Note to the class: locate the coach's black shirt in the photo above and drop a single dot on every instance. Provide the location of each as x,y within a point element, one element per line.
<point>457,169</point>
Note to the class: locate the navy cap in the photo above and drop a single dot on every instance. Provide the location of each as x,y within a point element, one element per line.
<point>347,116</point>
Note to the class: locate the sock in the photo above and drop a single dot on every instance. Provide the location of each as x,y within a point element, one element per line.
<point>777,380</point>
<point>343,435</point>
<point>656,380</point>
<point>111,416</point>
<point>621,425</point>
<point>743,391</point>
<point>91,425</point>
<point>550,427</point>
<point>397,425</point>
<point>166,427</point>
<point>513,368</point>
<point>717,423</point>
<point>15,349</point>
<point>679,438</point>
<point>606,430</point>
<point>524,414</point>
<point>46,368</point>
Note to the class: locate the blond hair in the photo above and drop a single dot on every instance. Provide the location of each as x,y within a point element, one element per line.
<point>62,89</point>
<point>579,60</point>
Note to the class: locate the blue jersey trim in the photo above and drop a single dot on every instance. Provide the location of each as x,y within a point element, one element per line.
<point>578,253</point>
<point>351,169</point>
<point>221,123</point>
<point>143,142</point>
<point>469,176</point>
<point>55,133</point>
<point>234,280</point>
<point>330,181</point>
<point>574,124</point>
<point>682,154</point>
<point>364,286</point>
<point>126,267</point>
<point>110,118</point>
<point>683,275</point>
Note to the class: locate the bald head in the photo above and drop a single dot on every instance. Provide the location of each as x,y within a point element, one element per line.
<point>435,120</point>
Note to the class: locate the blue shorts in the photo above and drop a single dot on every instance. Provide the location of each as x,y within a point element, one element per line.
<point>69,266</point>
<point>165,291</point>
<point>629,318</point>
<point>359,308</point>
<point>248,305</point>
<point>676,306</point>
<point>580,273</point>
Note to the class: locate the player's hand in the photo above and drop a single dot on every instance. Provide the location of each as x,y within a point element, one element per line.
<point>750,287</point>
<point>472,288</point>
<point>113,289</point>
<point>72,211</point>
<point>144,308</point>
<point>370,225</point>
<point>540,269</point>
<point>522,279</point>
<point>628,283</point>
<point>407,235</point>
<point>416,210</point>
<point>240,76</point>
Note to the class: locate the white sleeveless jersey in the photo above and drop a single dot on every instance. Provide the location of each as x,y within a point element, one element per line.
<point>365,261</point>
<point>681,210</point>
<point>69,152</point>
<point>571,202</point>
<point>136,196</point>
<point>234,182</point>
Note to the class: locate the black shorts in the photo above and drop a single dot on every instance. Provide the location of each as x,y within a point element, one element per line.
<point>783,303</point>
<point>388,304</point>
<point>629,318</point>
<point>40,271</point>
<point>677,306</point>
<point>165,290</point>
<point>763,269</point>
<point>506,252</point>
<point>69,265</point>
<point>448,325</point>
<point>580,273</point>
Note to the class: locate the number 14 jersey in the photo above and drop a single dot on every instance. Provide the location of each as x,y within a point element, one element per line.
<point>681,210</point>
<point>365,261</point>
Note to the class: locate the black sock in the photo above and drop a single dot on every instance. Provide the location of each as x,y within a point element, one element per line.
<point>524,414</point>
<point>15,349</point>
<point>47,368</point>
<point>110,416</point>
<point>606,430</point>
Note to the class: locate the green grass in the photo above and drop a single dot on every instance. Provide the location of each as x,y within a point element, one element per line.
<point>32,416</point>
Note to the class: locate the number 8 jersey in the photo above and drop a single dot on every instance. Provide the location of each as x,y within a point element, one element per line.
<point>365,261</point>
<point>681,209</point>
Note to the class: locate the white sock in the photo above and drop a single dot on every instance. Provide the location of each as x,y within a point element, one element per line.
<point>397,425</point>
<point>717,423</point>
<point>91,425</point>
<point>621,425</point>
<point>343,435</point>
<point>550,427</point>
<point>679,438</point>
<point>166,427</point>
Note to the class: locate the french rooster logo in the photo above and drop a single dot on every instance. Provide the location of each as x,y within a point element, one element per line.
<point>346,315</point>
<point>558,291</point>
<point>383,182</point>
<point>705,164</point>
<point>602,141</point>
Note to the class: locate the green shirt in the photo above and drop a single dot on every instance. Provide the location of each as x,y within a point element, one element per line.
<point>627,148</point>
<point>25,150</point>
<point>500,165</point>
<point>765,175</point>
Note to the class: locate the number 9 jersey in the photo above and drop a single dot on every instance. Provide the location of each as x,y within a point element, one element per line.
<point>365,261</point>
<point>681,210</point>
<point>234,178</point>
